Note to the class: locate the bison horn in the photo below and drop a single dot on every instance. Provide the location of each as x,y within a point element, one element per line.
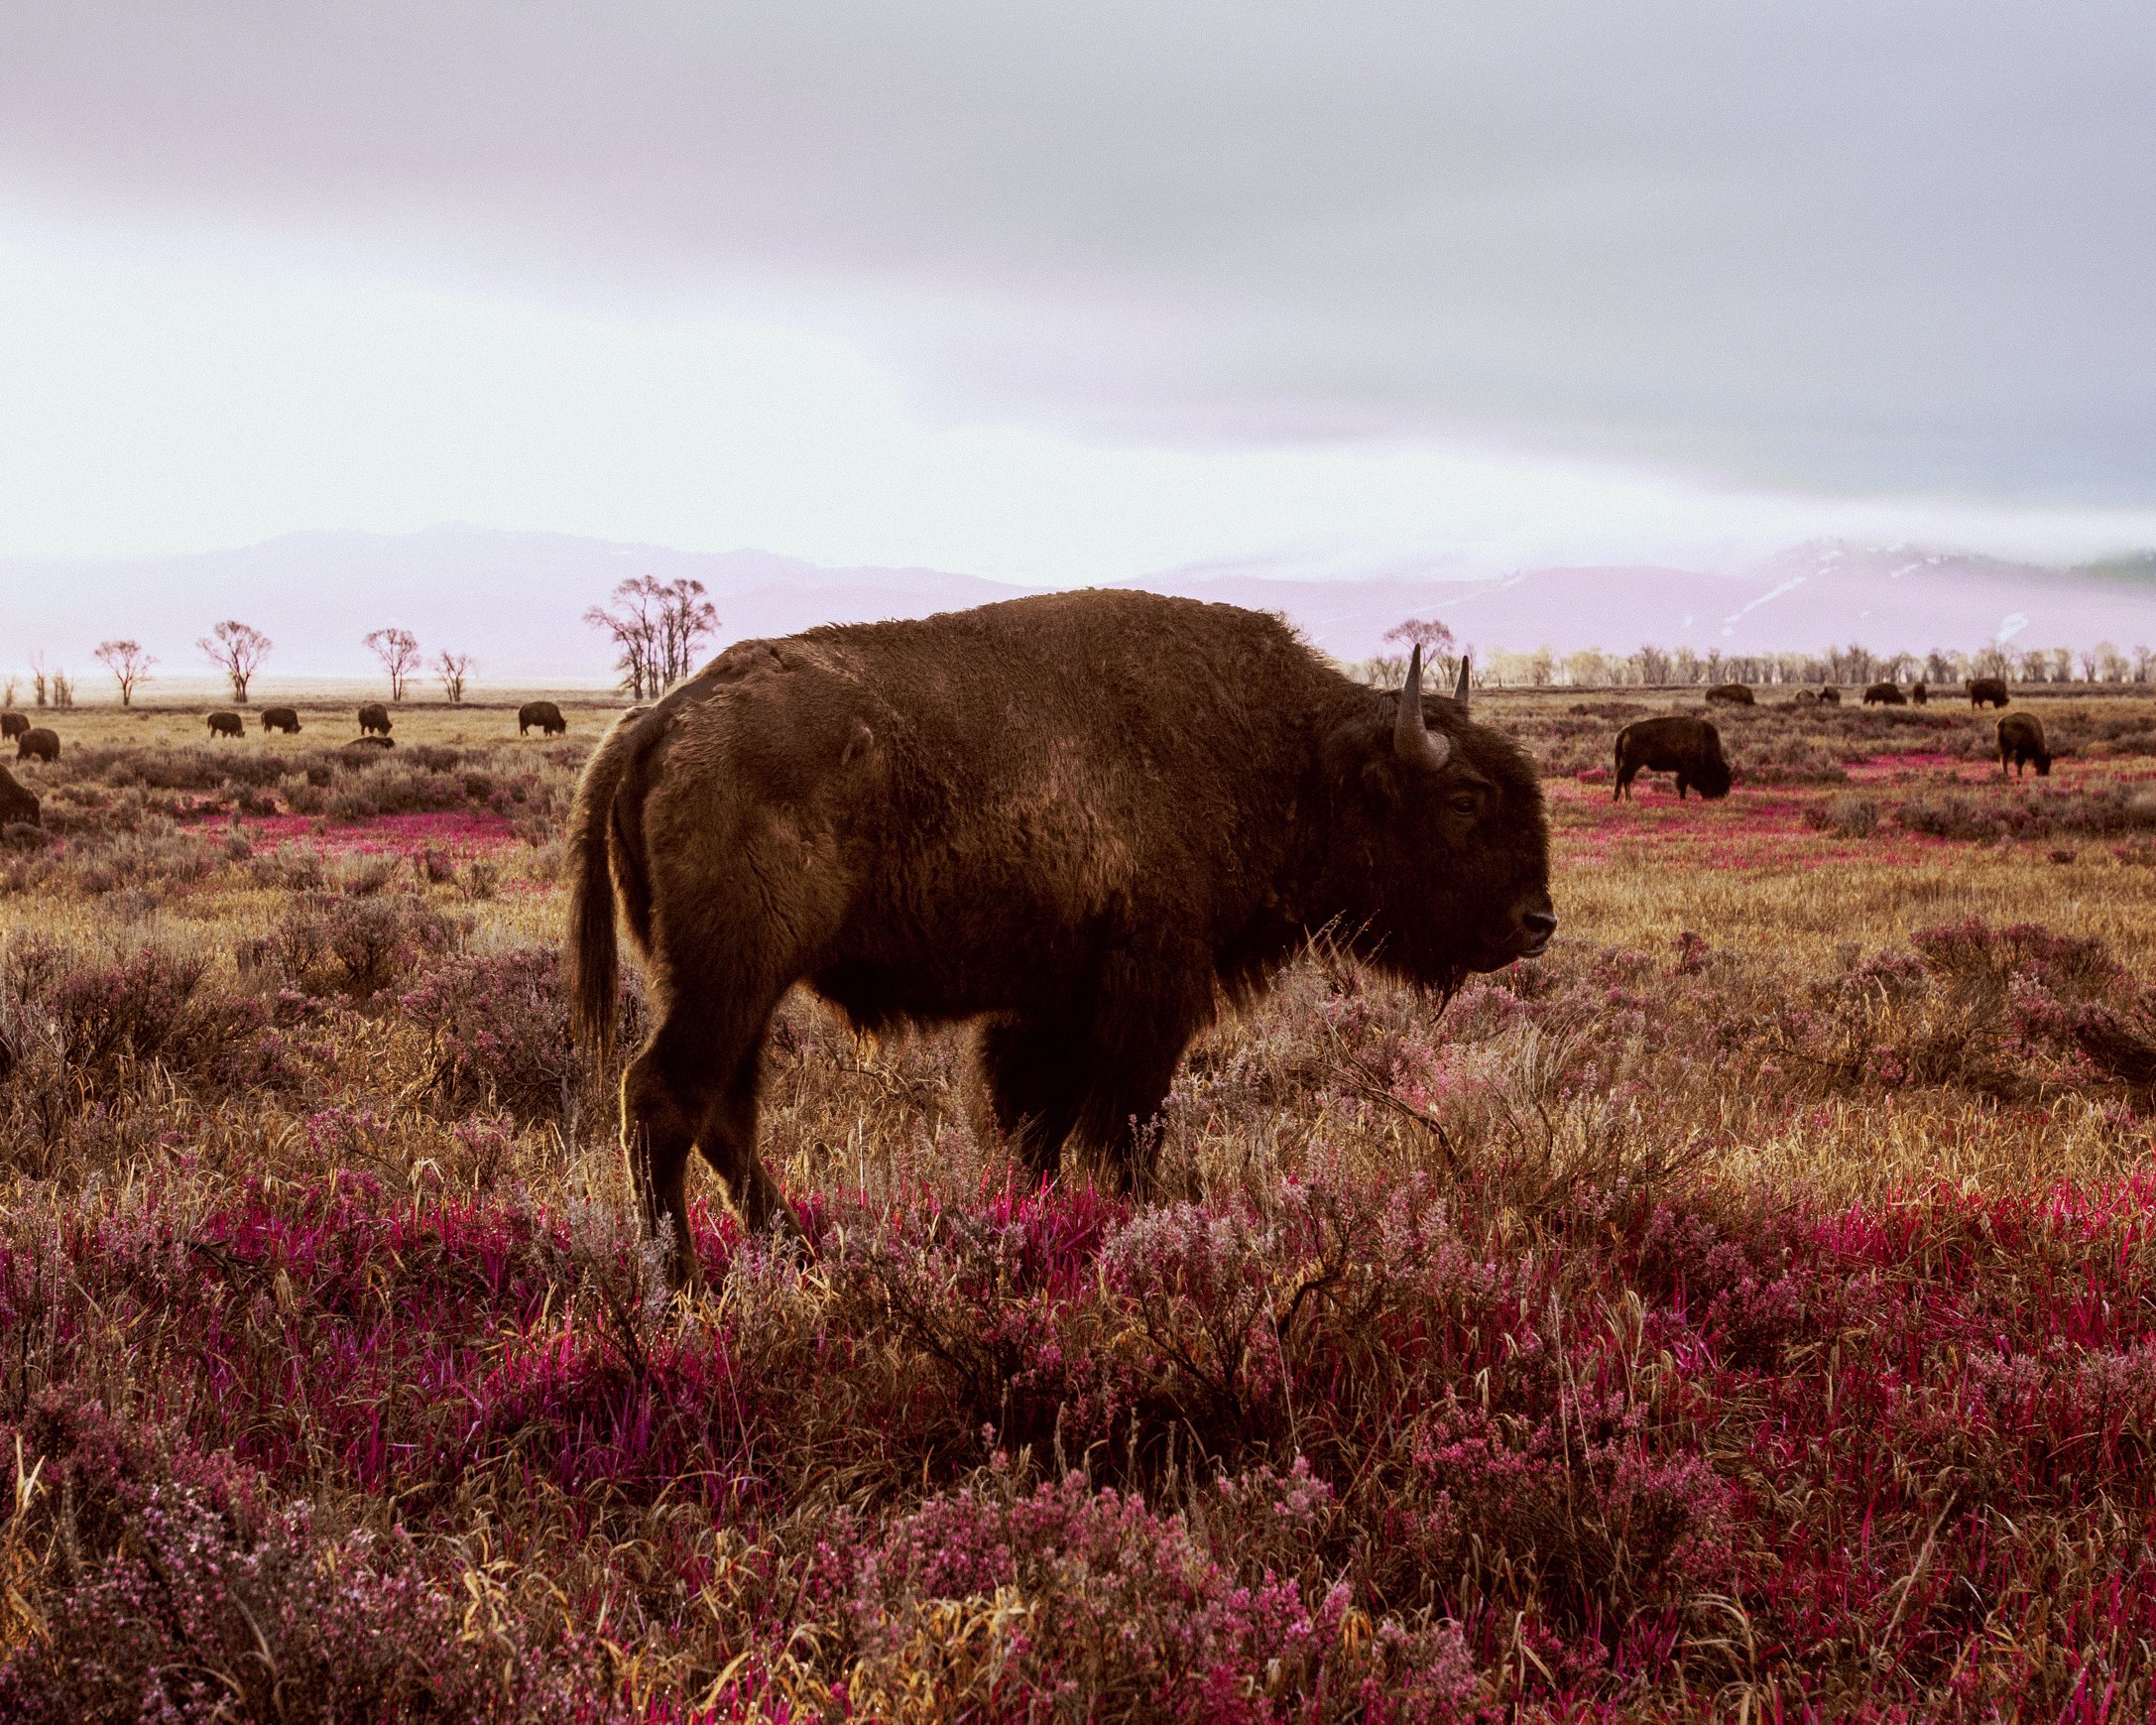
<point>1412,739</point>
<point>1460,689</point>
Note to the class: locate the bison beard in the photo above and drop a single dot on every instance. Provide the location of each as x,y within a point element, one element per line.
<point>1061,816</point>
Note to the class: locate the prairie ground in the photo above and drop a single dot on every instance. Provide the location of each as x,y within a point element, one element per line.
<point>1742,1310</point>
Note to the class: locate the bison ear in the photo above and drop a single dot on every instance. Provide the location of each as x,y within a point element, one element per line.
<point>858,741</point>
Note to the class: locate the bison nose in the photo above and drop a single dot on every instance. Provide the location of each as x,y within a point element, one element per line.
<point>1539,925</point>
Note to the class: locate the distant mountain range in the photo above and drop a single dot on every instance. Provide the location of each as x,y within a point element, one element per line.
<point>516,601</point>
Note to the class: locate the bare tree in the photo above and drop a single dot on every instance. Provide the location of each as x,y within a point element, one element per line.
<point>129,665</point>
<point>398,652</point>
<point>1435,640</point>
<point>238,651</point>
<point>37,675</point>
<point>452,669</point>
<point>2142,660</point>
<point>62,690</point>
<point>656,626</point>
<point>7,689</point>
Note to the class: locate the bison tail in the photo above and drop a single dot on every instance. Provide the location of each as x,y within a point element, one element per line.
<point>593,954</point>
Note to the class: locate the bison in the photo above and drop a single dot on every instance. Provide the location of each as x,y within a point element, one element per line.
<point>2021,741</point>
<point>374,718</point>
<point>1918,694</point>
<point>1804,697</point>
<point>1057,816</point>
<point>1885,694</point>
<point>18,803</point>
<point>1689,747</point>
<point>226,725</point>
<point>1829,696</point>
<point>37,745</point>
<point>1986,691</point>
<point>542,714</point>
<point>370,748</point>
<point>1733,694</point>
<point>13,725</point>
<point>284,719</point>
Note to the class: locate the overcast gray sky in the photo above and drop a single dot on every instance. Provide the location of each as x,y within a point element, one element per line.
<point>1064,290</point>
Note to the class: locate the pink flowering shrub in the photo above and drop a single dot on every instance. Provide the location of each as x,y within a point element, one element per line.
<point>186,1594</point>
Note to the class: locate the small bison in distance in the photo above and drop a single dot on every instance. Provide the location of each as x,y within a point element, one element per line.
<point>2021,743</point>
<point>1920,694</point>
<point>370,747</point>
<point>1057,815</point>
<point>545,714</point>
<point>1733,694</point>
<point>1830,696</point>
<point>18,805</point>
<point>374,719</point>
<point>1986,691</point>
<point>281,719</point>
<point>13,725</point>
<point>1885,694</point>
<point>37,745</point>
<point>226,725</point>
<point>1681,744</point>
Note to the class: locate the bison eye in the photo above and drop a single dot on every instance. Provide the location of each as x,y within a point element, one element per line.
<point>1467,802</point>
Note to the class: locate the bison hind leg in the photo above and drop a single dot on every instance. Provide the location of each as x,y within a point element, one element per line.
<point>1035,1071</point>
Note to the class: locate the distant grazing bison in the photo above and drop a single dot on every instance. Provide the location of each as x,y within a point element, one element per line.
<point>1804,697</point>
<point>1831,697</point>
<point>1986,691</point>
<point>18,805</point>
<point>374,718</point>
<point>542,714</point>
<point>1681,744</point>
<point>1058,815</point>
<point>1885,694</point>
<point>13,725</point>
<point>37,745</point>
<point>226,725</point>
<point>2020,742</point>
<point>1919,693</point>
<point>1733,694</point>
<point>370,746</point>
<point>281,719</point>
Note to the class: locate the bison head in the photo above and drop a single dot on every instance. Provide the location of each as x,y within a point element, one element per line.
<point>1442,855</point>
<point>1712,777</point>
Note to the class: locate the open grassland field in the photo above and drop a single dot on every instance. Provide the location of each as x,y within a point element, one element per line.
<point>1742,1311</point>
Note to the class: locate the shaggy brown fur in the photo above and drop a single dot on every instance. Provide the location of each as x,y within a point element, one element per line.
<point>1734,695</point>
<point>2021,742</point>
<point>1058,815</point>
<point>13,725</point>
<point>16,805</point>
<point>1986,691</point>
<point>1885,694</point>
<point>37,745</point>
<point>286,720</point>
<point>374,719</point>
<point>226,725</point>
<point>1689,747</point>
<point>542,714</point>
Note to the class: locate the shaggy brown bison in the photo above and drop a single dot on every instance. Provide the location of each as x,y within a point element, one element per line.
<point>18,803</point>
<point>1804,697</point>
<point>1986,691</point>
<point>1919,694</point>
<point>1829,696</point>
<point>226,725</point>
<point>374,718</point>
<point>284,719</point>
<point>13,725</point>
<point>2020,742</point>
<point>371,747</point>
<point>1689,747</point>
<point>1057,815</point>
<point>1885,694</point>
<point>1733,694</point>
<point>542,714</point>
<point>37,745</point>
